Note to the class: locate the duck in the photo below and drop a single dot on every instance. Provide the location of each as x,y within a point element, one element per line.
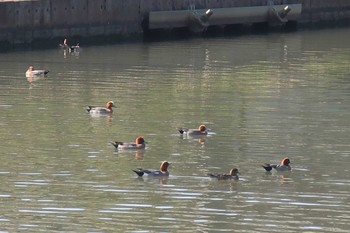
<point>139,144</point>
<point>233,175</point>
<point>65,44</point>
<point>101,110</point>
<point>75,48</point>
<point>71,49</point>
<point>202,130</point>
<point>31,72</point>
<point>163,170</point>
<point>284,166</point>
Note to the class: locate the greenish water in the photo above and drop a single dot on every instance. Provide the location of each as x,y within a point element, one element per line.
<point>263,97</point>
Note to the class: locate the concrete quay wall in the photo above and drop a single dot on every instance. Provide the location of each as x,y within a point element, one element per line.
<point>24,21</point>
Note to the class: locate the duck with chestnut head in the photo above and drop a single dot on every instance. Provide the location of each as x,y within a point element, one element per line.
<point>202,130</point>
<point>163,170</point>
<point>283,166</point>
<point>101,110</point>
<point>138,144</point>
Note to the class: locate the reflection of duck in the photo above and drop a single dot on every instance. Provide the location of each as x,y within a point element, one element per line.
<point>163,171</point>
<point>139,154</point>
<point>31,72</point>
<point>202,130</point>
<point>139,144</point>
<point>233,175</point>
<point>284,166</point>
<point>101,110</point>
<point>33,79</point>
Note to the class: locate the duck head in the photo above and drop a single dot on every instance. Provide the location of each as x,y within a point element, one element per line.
<point>285,161</point>
<point>164,166</point>
<point>234,172</point>
<point>202,128</point>
<point>140,140</point>
<point>110,104</point>
<point>30,68</point>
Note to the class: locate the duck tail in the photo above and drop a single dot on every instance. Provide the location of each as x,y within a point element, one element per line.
<point>181,130</point>
<point>88,108</point>
<point>267,167</point>
<point>139,172</point>
<point>46,72</point>
<point>116,144</point>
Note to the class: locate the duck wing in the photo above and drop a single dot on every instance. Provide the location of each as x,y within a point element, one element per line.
<point>268,167</point>
<point>40,72</point>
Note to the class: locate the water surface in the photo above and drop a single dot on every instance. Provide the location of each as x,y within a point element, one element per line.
<point>263,97</point>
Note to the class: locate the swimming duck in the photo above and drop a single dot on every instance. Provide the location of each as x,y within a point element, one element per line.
<point>35,73</point>
<point>65,44</point>
<point>71,49</point>
<point>202,130</point>
<point>163,171</point>
<point>75,48</point>
<point>284,166</point>
<point>233,175</point>
<point>139,144</point>
<point>101,110</point>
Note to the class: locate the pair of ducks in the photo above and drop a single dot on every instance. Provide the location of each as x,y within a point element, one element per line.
<point>140,141</point>
<point>202,130</point>
<point>163,171</point>
<point>232,175</point>
<point>71,49</point>
<point>141,144</point>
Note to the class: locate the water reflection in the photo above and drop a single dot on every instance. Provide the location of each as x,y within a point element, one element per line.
<point>34,79</point>
<point>195,138</point>
<point>74,53</point>
<point>96,119</point>
<point>154,180</point>
<point>138,154</point>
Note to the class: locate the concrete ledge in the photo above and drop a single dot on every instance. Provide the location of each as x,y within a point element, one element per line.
<point>221,16</point>
<point>25,21</point>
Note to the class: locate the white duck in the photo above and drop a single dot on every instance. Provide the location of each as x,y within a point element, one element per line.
<point>35,73</point>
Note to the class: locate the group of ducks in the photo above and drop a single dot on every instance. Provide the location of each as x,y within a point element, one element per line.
<point>69,48</point>
<point>163,170</point>
<point>32,73</point>
<point>232,175</point>
<point>140,142</point>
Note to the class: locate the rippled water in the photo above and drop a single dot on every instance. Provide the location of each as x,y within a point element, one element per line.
<point>263,97</point>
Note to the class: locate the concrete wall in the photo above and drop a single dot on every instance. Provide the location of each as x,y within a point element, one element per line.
<point>325,11</point>
<point>25,21</point>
